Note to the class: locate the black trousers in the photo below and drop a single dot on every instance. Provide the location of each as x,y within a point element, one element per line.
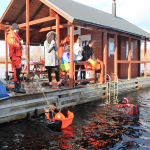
<point>76,73</point>
<point>49,68</point>
<point>83,73</point>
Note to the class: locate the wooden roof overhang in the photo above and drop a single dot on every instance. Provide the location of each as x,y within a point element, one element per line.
<point>41,19</point>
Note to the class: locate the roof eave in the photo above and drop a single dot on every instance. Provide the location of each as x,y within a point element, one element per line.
<point>58,10</point>
<point>106,27</point>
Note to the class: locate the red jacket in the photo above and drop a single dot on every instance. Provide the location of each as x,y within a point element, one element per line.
<point>14,46</point>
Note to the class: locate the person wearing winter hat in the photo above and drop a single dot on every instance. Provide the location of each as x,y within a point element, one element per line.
<point>15,53</point>
<point>51,59</point>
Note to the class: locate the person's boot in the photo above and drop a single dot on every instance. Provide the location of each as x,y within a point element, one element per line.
<point>20,90</point>
<point>16,87</point>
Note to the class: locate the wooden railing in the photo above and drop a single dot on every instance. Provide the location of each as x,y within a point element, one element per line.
<point>98,70</point>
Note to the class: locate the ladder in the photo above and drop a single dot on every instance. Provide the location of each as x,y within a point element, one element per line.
<point>112,86</point>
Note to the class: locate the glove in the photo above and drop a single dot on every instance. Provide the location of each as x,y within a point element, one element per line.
<point>53,42</point>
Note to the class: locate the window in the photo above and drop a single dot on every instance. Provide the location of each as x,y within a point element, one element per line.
<point>127,49</point>
<point>111,47</point>
<point>85,39</point>
<point>77,31</point>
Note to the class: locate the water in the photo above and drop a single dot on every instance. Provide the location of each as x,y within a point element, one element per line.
<point>95,126</point>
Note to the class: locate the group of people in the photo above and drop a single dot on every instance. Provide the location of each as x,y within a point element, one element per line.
<point>51,59</point>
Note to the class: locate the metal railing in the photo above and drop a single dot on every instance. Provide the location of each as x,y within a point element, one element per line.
<point>114,87</point>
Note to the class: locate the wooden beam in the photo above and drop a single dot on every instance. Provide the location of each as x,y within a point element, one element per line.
<point>27,39</point>
<point>145,58</point>
<point>6,10</point>
<point>37,21</point>
<point>6,54</point>
<point>2,27</point>
<point>129,59</point>
<point>57,10</point>
<point>52,13</point>
<point>58,36</point>
<point>116,56</point>
<point>71,75</point>
<point>21,12</point>
<point>50,28</point>
<point>37,12</point>
<point>105,55</point>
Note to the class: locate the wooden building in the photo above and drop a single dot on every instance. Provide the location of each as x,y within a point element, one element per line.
<point>117,42</point>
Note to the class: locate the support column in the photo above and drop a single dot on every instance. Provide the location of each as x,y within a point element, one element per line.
<point>129,59</point>
<point>58,36</point>
<point>6,54</point>
<point>116,56</point>
<point>105,55</point>
<point>71,56</point>
<point>27,39</point>
<point>145,58</point>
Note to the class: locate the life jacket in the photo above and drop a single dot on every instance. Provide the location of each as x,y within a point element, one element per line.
<point>14,46</point>
<point>65,121</point>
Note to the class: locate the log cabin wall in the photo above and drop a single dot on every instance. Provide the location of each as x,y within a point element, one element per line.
<point>123,68</point>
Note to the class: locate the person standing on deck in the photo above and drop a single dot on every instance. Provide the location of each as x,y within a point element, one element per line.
<point>15,53</point>
<point>78,54</point>
<point>51,59</point>
<point>87,54</point>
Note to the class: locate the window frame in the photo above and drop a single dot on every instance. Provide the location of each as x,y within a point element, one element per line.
<point>127,50</point>
<point>110,52</point>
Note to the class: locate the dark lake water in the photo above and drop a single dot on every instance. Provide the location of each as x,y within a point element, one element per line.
<point>95,126</point>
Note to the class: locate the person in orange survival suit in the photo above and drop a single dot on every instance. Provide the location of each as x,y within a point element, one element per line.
<point>134,109</point>
<point>62,118</point>
<point>15,53</point>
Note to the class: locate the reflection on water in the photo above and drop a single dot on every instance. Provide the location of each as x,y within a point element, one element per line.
<point>95,126</point>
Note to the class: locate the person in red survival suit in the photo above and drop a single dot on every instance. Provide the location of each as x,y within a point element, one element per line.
<point>15,53</point>
<point>133,109</point>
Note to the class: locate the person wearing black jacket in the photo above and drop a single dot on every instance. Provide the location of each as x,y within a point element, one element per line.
<point>87,54</point>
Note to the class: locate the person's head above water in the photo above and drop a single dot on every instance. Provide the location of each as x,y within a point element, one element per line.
<point>124,101</point>
<point>64,111</point>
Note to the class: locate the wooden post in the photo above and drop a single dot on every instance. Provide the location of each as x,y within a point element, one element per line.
<point>58,36</point>
<point>105,55</point>
<point>145,58</point>
<point>6,54</point>
<point>27,39</point>
<point>71,77</point>
<point>116,56</point>
<point>129,59</point>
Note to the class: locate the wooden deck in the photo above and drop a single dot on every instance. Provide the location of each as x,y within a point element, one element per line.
<point>16,106</point>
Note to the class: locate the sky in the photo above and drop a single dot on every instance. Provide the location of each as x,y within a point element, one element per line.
<point>135,11</point>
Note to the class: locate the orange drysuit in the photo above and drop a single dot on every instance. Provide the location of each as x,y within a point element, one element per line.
<point>15,53</point>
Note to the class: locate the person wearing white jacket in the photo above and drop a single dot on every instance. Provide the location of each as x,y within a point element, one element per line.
<point>78,54</point>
